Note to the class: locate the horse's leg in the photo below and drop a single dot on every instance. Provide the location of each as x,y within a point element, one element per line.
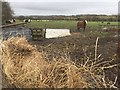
<point>78,29</point>
<point>84,29</point>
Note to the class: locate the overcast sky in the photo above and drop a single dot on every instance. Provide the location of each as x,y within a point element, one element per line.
<point>63,7</point>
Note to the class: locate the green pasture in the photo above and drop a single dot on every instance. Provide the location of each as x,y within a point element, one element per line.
<point>64,24</point>
<point>93,28</point>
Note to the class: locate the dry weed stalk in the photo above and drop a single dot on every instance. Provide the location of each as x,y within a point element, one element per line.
<point>95,64</point>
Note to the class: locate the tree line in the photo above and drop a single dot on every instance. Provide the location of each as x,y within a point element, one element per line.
<point>72,17</point>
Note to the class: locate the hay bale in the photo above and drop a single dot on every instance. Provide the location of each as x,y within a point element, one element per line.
<point>25,67</point>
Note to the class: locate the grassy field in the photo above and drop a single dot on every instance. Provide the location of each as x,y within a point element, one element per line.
<point>68,24</point>
<point>92,29</point>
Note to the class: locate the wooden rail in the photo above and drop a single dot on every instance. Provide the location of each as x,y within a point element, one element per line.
<point>10,25</point>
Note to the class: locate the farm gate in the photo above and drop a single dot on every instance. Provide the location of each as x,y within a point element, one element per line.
<point>38,33</point>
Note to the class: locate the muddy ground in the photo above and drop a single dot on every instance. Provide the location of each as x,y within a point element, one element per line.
<point>81,45</point>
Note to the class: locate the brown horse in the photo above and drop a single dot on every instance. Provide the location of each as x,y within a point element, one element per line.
<point>81,24</point>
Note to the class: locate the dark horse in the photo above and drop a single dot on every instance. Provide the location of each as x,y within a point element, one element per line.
<point>81,24</point>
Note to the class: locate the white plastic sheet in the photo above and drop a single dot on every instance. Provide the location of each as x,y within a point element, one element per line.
<point>54,33</point>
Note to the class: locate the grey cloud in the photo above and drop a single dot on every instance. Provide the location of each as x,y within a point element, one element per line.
<point>46,8</point>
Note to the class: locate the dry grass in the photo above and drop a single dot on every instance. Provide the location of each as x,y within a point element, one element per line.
<point>25,67</point>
